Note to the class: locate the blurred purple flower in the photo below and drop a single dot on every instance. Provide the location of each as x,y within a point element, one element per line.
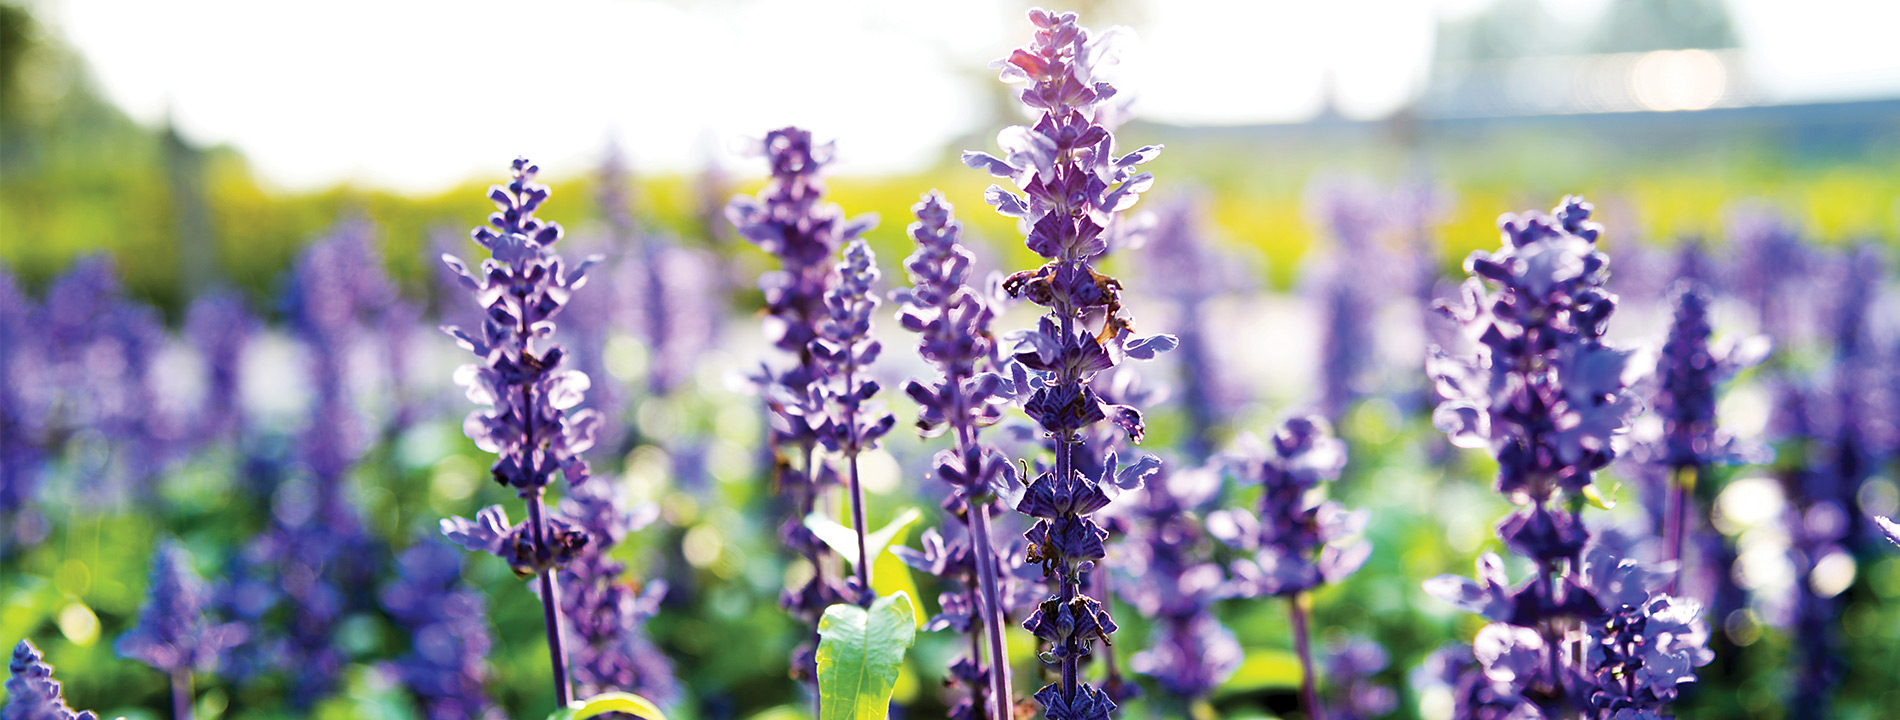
<point>446,666</point>
<point>791,221</point>
<point>1295,542</point>
<point>1166,577</point>
<point>22,419</point>
<point>173,634</point>
<point>604,612</point>
<point>32,693</point>
<point>221,325</point>
<point>1179,263</point>
<point>1350,666</point>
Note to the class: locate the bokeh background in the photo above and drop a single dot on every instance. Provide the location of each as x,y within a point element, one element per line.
<point>1334,161</point>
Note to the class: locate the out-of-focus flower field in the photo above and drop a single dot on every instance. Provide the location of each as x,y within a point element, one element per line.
<point>191,356</point>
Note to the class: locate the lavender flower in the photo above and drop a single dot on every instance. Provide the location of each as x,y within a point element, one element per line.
<point>953,323</point>
<point>1545,396</point>
<point>1295,543</point>
<point>220,325</point>
<point>1689,370</point>
<point>1350,666</point>
<point>790,220</point>
<point>448,627</point>
<point>1353,213</point>
<point>173,634</point>
<point>845,351</point>
<point>1169,580</point>
<point>32,693</point>
<point>21,420</point>
<point>527,396</point>
<point>604,613</point>
<point>1182,267</point>
<point>1543,393</point>
<point>1073,184</point>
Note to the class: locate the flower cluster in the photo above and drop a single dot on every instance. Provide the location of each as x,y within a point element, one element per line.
<point>173,634</point>
<point>526,395</point>
<point>1180,265</point>
<point>20,451</point>
<point>791,221</point>
<point>1543,393</point>
<point>605,614</point>
<point>845,350</point>
<point>32,693</point>
<point>1295,542</point>
<point>1072,184</point>
<point>1347,287</point>
<point>1169,581</point>
<point>528,419</point>
<point>952,321</point>
<point>1689,370</point>
<point>448,629</point>
<point>221,326</point>
<point>1546,396</point>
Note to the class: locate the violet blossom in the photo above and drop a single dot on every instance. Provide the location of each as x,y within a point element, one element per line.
<point>446,666</point>
<point>173,634</point>
<point>1297,541</point>
<point>845,351</point>
<point>525,397</point>
<point>605,613</point>
<point>953,320</point>
<point>1073,184</point>
<point>1546,396</point>
<point>32,693</point>
<point>21,420</point>
<point>791,221</point>
<point>1167,577</point>
<point>1178,261</point>
<point>220,325</point>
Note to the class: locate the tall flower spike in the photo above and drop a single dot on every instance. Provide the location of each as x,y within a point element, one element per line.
<point>173,634</point>
<point>527,418</point>
<point>1296,542</point>
<point>1688,371</point>
<point>1073,184</point>
<point>791,221</point>
<point>32,693</point>
<point>606,614</point>
<point>952,321</point>
<point>845,349</point>
<point>448,625</point>
<point>1169,580</point>
<point>1545,396</point>
<point>1179,262</point>
<point>221,326</point>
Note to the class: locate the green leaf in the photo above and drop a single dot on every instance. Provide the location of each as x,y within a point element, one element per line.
<point>602,704</point>
<point>859,655</point>
<point>1263,669</point>
<point>844,540</point>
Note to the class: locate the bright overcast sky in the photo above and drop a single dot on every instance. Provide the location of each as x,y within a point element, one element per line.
<point>418,94</point>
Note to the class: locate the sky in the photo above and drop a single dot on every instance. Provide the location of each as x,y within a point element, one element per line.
<point>417,95</point>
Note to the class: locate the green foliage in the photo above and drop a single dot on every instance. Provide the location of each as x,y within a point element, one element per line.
<point>844,540</point>
<point>859,655</point>
<point>619,702</point>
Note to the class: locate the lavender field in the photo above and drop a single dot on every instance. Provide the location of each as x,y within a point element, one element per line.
<point>1487,407</point>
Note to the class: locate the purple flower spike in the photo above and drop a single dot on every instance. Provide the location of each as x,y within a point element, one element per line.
<point>448,626</point>
<point>606,615</point>
<point>791,221</point>
<point>221,326</point>
<point>528,418</point>
<point>21,419</point>
<point>952,321</point>
<point>32,693</point>
<point>1073,185</point>
<point>173,634</point>
<point>1296,542</point>
<point>1545,396</point>
<point>1166,578</point>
